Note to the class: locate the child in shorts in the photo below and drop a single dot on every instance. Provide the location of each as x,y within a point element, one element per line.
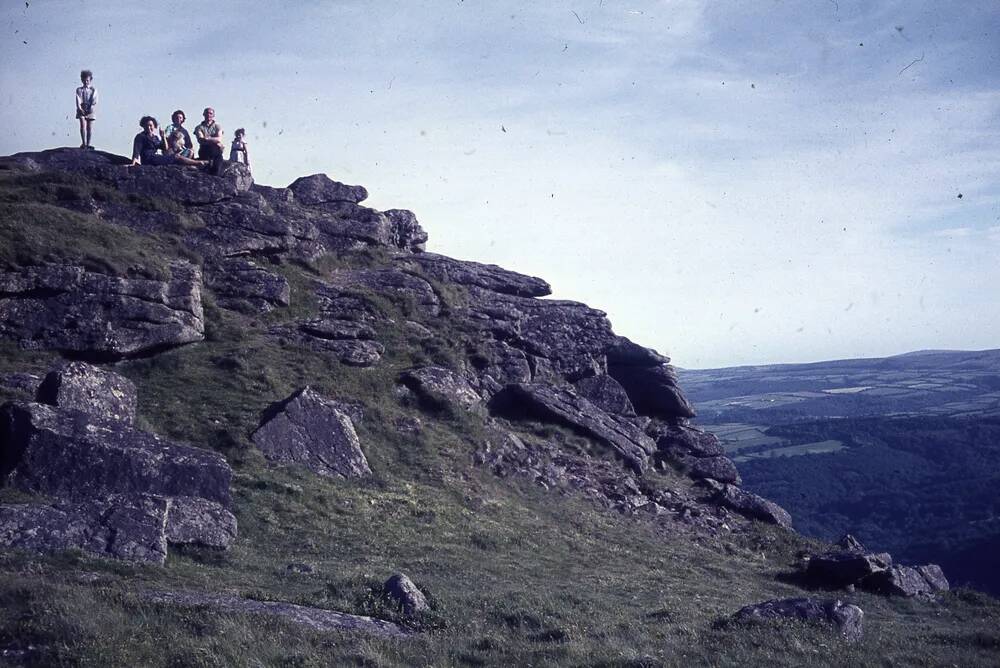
<point>86,102</point>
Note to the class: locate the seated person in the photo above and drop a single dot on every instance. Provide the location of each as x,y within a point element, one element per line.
<point>176,144</point>
<point>177,123</point>
<point>148,144</point>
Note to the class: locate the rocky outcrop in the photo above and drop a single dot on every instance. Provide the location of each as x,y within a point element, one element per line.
<point>400,590</point>
<point>111,489</point>
<point>71,309</point>
<point>847,619</point>
<point>854,566</point>
<point>406,232</point>
<point>908,581</point>
<point>316,619</point>
<point>310,430</point>
<point>87,388</point>
<point>555,403</point>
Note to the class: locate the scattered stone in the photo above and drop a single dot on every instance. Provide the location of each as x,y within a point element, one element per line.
<point>400,589</point>
<point>846,618</point>
<point>400,285</point>
<point>316,619</point>
<point>320,188</point>
<point>907,581</point>
<point>717,468</point>
<point>300,568</point>
<point>753,506</point>
<point>310,430</point>
<point>87,388</point>
<point>676,441</point>
<point>67,308</point>
<point>441,387</point>
<point>839,569</point>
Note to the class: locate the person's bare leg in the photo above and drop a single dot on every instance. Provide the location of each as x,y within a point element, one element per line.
<point>90,123</point>
<point>83,133</point>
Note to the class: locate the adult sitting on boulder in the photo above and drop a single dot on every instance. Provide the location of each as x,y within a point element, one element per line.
<point>148,145</point>
<point>209,136</point>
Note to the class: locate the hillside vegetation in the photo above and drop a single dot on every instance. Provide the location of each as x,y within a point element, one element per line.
<point>577,549</point>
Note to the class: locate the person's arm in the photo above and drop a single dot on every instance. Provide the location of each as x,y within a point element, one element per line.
<point>187,139</point>
<point>246,155</point>
<point>93,99</point>
<point>79,100</point>
<point>136,149</point>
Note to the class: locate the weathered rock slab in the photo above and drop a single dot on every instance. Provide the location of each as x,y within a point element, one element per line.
<point>310,430</point>
<point>717,468</point>
<point>842,568</point>
<point>907,581</point>
<point>753,506</point>
<point>846,618</point>
<point>68,308</point>
<point>320,188</point>
<point>486,276</point>
<point>64,453</point>
<point>195,521</point>
<point>566,407</point>
<point>128,528</point>
<point>243,285</point>
<point>441,387</point>
<point>90,389</point>
<point>317,619</point>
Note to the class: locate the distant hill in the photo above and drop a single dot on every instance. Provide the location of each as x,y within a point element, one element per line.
<point>903,451</point>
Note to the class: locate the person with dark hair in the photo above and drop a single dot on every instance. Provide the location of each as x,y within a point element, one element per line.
<point>177,125</point>
<point>210,143</point>
<point>86,101</point>
<point>239,148</point>
<point>148,147</point>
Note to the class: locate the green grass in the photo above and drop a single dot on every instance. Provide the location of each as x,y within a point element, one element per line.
<point>516,575</point>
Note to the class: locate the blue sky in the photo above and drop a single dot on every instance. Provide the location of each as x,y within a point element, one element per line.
<point>733,182</point>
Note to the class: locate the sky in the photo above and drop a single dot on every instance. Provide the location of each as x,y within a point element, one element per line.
<point>732,182</point>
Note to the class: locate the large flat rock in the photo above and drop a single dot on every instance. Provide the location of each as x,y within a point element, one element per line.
<point>67,454</point>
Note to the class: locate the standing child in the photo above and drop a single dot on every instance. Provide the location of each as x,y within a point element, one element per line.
<point>239,148</point>
<point>86,102</point>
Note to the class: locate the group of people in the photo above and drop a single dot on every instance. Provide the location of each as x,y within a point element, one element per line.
<point>170,146</point>
<point>173,146</point>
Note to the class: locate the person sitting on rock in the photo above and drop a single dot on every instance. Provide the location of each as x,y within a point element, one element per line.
<point>148,144</point>
<point>86,101</point>
<point>176,144</point>
<point>209,136</point>
<point>177,124</point>
<point>239,148</point>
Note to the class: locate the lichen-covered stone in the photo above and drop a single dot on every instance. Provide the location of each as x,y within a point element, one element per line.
<point>90,389</point>
<point>310,430</point>
<point>846,618</point>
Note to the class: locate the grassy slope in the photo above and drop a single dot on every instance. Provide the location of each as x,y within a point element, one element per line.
<point>517,575</point>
